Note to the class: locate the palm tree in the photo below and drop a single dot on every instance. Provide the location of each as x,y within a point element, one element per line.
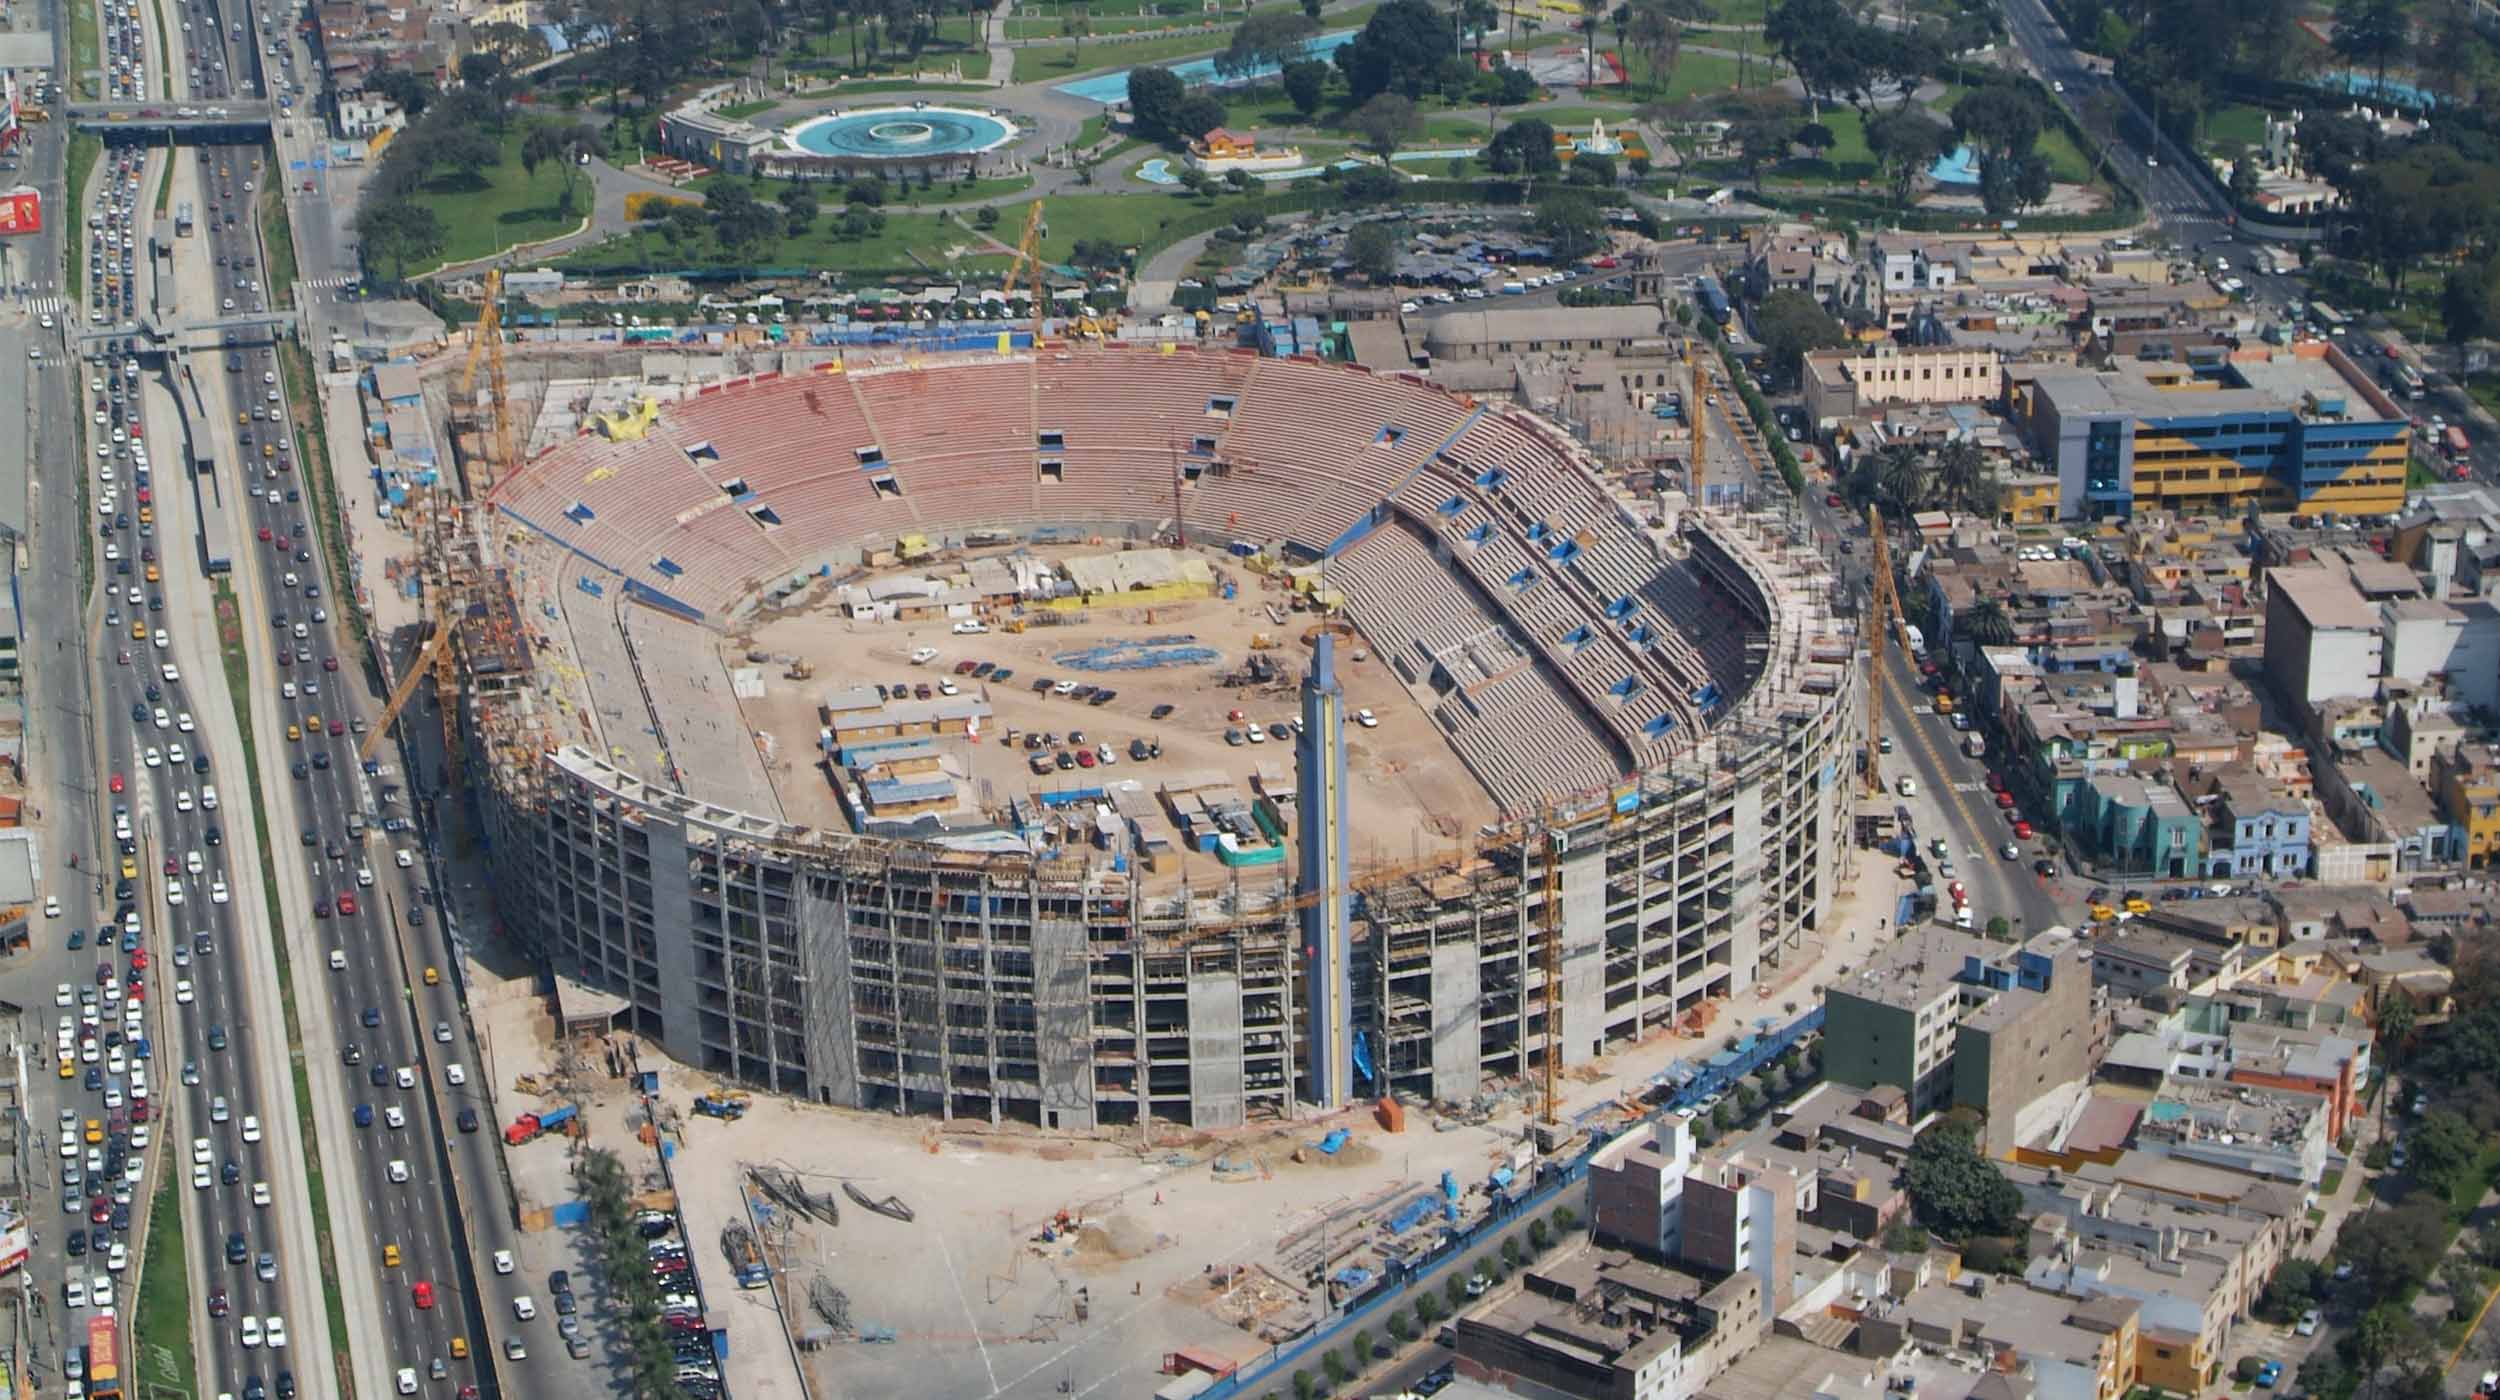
<point>1987,624</point>
<point>1959,472</point>
<point>1902,468</point>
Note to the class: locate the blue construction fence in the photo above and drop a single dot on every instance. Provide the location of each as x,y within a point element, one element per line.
<point>1682,1084</point>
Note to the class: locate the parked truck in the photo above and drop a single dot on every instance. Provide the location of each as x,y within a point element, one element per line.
<point>729,1107</point>
<point>536,1125</point>
<point>1976,745</point>
<point>746,1260</point>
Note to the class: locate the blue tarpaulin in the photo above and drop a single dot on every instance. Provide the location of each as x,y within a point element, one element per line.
<point>1337,1138</point>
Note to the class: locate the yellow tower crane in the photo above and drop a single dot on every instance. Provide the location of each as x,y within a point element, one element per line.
<point>437,648</point>
<point>1028,267</point>
<point>1883,611</point>
<point>486,343</point>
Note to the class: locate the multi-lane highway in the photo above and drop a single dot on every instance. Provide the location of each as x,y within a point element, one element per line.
<point>390,1045</point>
<point>2164,174</point>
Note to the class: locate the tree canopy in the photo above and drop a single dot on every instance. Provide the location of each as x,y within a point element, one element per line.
<point>1956,1192</point>
<point>1789,323</point>
<point>1154,99</point>
<point>1525,147</point>
<point>1399,49</point>
<point>1266,39</point>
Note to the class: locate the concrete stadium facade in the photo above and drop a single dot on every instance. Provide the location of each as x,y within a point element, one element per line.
<point>1064,992</point>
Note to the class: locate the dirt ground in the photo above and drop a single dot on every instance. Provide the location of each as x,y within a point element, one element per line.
<point>1411,794</point>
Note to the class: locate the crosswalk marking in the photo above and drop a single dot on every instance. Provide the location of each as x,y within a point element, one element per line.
<point>47,306</point>
<point>331,284</point>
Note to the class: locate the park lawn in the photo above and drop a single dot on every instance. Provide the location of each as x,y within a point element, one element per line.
<point>2067,160</point>
<point>830,196</point>
<point>740,111</point>
<point>1053,25</point>
<point>954,38</point>
<point>908,244</point>
<point>1738,12</point>
<point>1697,74</point>
<point>1125,219</point>
<point>1052,61</point>
<point>2236,128</point>
<point>505,207</point>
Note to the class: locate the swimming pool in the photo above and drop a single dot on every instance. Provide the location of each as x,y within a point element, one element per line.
<point>1959,168</point>
<point>1159,171</point>
<point>1108,88</point>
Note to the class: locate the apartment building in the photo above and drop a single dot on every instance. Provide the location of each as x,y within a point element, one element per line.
<point>1951,1019</point>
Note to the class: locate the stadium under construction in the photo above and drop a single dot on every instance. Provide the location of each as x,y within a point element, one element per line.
<point>1658,706</point>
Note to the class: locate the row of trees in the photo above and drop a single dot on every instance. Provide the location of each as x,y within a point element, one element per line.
<point>625,1272</point>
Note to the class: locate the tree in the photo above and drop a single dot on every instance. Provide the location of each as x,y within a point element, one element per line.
<point>1506,86</point>
<point>517,45</point>
<point>1789,323</point>
<point>2295,1286</point>
<point>2443,1148</point>
<point>2371,32</point>
<point>1540,1235</point>
<point>1570,223</point>
<point>1654,29</point>
<point>1905,143</point>
<point>1593,170</point>
<point>2397,1248</point>
<point>986,217</point>
<point>1987,623</point>
<point>2467,302</point>
<point>1398,50</point>
<point>1154,100</point>
<point>1525,147</point>
<point>1760,141</point>
<point>1373,250</point>
<point>400,230</point>
<point>1306,85</point>
<point>1385,121</point>
<point>1816,138</point>
<point>2452,55</point>
<point>1955,1191</point>
<point>1075,25</point>
<point>799,209</point>
<point>1825,46</point>
<point>1363,1343</point>
<point>1198,114</point>
<point>1401,1330</point>
<point>410,93</point>
<point>1266,39</point>
<point>1305,1385</point>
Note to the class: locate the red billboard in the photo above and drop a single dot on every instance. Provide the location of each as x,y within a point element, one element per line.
<point>21,211</point>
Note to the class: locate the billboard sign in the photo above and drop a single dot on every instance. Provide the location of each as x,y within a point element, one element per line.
<point>21,211</point>
<point>15,1241</point>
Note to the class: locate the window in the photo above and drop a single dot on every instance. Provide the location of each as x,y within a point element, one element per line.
<point>1053,440</point>
<point>869,456</point>
<point>734,487</point>
<point>1054,469</point>
<point>887,486</point>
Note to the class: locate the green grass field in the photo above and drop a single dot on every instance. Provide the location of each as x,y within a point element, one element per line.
<point>502,208</point>
<point>2065,158</point>
<point>84,151</point>
<point>161,1336</point>
<point>1124,219</point>
<point>2235,128</point>
<point>1065,60</point>
<point>281,241</point>
<point>954,38</point>
<point>1697,74</point>
<point>86,48</point>
<point>908,243</point>
<point>740,111</point>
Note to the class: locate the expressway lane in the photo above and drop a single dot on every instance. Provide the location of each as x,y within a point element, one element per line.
<point>382,1063</point>
<point>221,1045</point>
<point>2177,199</point>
